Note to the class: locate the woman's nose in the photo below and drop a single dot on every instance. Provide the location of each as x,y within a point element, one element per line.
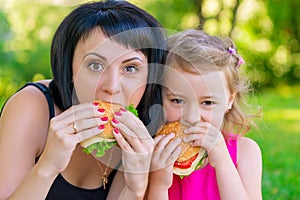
<point>110,81</point>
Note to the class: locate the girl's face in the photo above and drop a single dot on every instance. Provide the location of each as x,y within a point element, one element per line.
<point>193,98</point>
<point>106,70</point>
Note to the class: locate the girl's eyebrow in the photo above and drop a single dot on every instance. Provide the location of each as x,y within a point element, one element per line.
<point>210,97</point>
<point>171,94</point>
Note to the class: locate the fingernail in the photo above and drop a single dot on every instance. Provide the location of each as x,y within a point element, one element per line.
<point>101,127</point>
<point>123,109</point>
<point>118,113</point>
<point>172,135</point>
<point>104,119</point>
<point>116,131</point>
<point>115,121</point>
<point>95,103</point>
<point>101,110</point>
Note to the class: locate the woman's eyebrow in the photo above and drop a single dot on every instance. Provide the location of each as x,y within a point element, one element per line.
<point>95,54</point>
<point>134,58</point>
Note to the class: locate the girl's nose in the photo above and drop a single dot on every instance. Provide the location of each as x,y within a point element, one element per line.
<point>192,115</point>
<point>110,82</point>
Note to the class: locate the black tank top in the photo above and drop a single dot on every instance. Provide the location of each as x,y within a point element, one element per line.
<point>61,189</point>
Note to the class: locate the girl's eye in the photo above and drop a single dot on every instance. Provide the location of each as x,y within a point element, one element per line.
<point>177,101</point>
<point>95,66</point>
<point>208,103</point>
<point>130,69</point>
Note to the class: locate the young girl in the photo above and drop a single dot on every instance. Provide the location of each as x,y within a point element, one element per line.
<point>203,89</point>
<point>106,50</point>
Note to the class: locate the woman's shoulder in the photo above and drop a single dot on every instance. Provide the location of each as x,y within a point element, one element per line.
<point>29,98</point>
<point>26,114</point>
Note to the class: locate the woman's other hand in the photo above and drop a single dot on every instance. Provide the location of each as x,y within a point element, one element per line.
<point>137,147</point>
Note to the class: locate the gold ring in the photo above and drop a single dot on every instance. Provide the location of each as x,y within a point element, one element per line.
<point>75,127</point>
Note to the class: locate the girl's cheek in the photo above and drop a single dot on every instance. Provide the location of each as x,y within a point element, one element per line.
<point>215,118</point>
<point>172,114</point>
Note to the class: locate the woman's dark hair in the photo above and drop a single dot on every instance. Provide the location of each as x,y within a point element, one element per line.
<point>124,23</point>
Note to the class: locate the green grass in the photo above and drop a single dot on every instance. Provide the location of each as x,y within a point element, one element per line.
<point>279,139</point>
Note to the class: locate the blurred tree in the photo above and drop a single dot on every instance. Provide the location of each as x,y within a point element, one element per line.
<point>265,31</point>
<point>7,78</point>
<point>26,30</point>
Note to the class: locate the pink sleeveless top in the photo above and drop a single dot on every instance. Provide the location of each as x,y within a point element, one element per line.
<point>202,183</point>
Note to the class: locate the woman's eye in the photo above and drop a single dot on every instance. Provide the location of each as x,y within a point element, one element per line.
<point>177,101</point>
<point>95,66</point>
<point>130,69</point>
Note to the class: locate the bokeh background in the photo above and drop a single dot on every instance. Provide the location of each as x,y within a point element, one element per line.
<point>266,32</point>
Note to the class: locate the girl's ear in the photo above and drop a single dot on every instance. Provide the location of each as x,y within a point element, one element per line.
<point>231,100</point>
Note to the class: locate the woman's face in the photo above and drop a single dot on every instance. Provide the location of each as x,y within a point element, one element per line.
<point>108,71</point>
<point>193,98</point>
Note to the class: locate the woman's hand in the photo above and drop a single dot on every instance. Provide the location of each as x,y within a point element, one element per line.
<point>137,147</point>
<point>66,131</point>
<point>209,137</point>
<point>164,155</point>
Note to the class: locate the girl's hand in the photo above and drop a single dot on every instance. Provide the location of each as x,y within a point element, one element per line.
<point>209,137</point>
<point>137,146</point>
<point>66,130</point>
<point>164,155</point>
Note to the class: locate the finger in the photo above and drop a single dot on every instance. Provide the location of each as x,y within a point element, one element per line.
<point>164,141</point>
<point>88,133</point>
<point>158,138</point>
<point>133,123</point>
<point>121,141</point>
<point>78,112</point>
<point>174,155</point>
<point>138,144</point>
<point>89,123</point>
<point>167,151</point>
<point>195,140</point>
<point>196,129</point>
<point>166,156</point>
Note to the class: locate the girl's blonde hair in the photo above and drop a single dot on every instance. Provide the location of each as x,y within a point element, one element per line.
<point>197,52</point>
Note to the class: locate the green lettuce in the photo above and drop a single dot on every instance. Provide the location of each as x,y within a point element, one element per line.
<point>100,147</point>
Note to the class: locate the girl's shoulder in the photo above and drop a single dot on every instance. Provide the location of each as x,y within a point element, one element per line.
<point>248,151</point>
<point>247,144</point>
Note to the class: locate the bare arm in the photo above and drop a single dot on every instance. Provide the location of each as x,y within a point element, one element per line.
<point>119,189</point>
<point>23,133</point>
<point>161,175</point>
<point>245,181</point>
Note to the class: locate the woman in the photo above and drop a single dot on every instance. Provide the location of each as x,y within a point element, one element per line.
<point>101,50</point>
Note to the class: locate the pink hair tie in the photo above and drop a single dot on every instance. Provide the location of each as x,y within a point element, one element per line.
<point>231,50</point>
<point>240,62</point>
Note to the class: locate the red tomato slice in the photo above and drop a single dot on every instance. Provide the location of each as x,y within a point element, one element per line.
<point>185,164</point>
